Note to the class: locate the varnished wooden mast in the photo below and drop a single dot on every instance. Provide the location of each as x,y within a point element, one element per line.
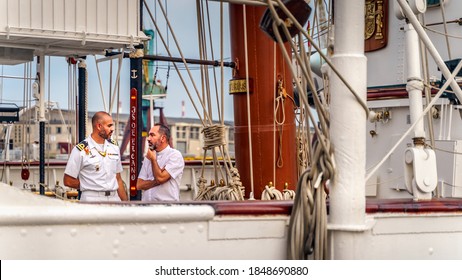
<point>264,68</point>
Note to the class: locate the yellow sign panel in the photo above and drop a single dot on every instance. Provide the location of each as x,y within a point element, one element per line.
<point>239,86</point>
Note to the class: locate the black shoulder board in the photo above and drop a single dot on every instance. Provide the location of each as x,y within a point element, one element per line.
<point>81,145</point>
<point>113,142</point>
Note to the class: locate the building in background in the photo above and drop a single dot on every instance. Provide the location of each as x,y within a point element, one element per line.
<point>61,129</point>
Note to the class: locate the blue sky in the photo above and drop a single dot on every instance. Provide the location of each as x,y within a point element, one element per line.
<point>182,18</point>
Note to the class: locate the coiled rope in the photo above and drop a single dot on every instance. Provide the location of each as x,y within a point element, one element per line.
<point>308,221</point>
<point>214,137</point>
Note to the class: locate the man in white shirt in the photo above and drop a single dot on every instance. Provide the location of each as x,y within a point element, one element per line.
<point>94,165</point>
<point>162,168</point>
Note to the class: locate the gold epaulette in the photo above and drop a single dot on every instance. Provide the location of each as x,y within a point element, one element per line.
<point>113,142</point>
<point>81,145</point>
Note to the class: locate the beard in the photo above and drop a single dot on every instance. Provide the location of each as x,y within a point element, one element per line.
<point>152,146</point>
<point>104,135</point>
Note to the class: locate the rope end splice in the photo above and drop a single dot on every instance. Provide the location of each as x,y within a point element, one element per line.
<point>271,193</point>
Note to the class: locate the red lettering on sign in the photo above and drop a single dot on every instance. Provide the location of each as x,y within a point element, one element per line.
<point>133,137</point>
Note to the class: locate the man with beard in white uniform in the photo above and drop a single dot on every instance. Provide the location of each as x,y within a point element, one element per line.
<point>162,168</point>
<point>94,165</point>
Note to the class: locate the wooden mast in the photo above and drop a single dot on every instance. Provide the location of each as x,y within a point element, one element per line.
<point>265,66</point>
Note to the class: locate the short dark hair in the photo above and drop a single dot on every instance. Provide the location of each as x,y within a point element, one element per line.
<point>163,129</point>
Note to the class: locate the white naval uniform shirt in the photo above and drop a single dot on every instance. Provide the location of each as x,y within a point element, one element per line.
<point>96,171</point>
<point>172,160</point>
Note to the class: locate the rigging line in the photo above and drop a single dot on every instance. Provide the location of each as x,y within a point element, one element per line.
<point>425,111</point>
<point>202,50</point>
<point>304,98</point>
<point>28,107</point>
<point>304,120</point>
<point>222,71</point>
<point>305,62</point>
<point>23,144</point>
<point>168,44</point>
<point>247,2</point>
<point>100,84</point>
<point>176,67</point>
<point>49,118</point>
<point>443,13</point>
<point>110,88</point>
<point>441,33</point>
<point>450,185</point>
<point>458,21</point>
<point>73,101</point>
<point>305,117</point>
<point>429,45</point>
<point>219,106</point>
<point>327,163</point>
<point>69,100</point>
<point>117,122</point>
<point>113,93</point>
<point>322,22</point>
<point>206,77</point>
<point>227,154</point>
<point>332,66</point>
<point>2,76</point>
<point>303,67</point>
<point>244,18</point>
<point>288,61</point>
<point>274,109</point>
<point>444,150</point>
<point>184,61</point>
<point>426,75</point>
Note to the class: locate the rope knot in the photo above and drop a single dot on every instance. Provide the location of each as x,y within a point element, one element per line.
<point>214,136</point>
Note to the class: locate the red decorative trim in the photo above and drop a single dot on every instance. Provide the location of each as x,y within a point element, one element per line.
<point>411,206</point>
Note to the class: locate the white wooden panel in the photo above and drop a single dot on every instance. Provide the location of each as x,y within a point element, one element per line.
<point>3,13</point>
<point>80,11</point>
<point>59,25</point>
<point>13,13</point>
<point>112,17</point>
<point>38,20</point>
<point>24,13</point>
<point>91,16</point>
<point>101,19</point>
<point>104,17</point>
<point>69,15</point>
<point>122,13</point>
<point>132,18</point>
<point>43,12</point>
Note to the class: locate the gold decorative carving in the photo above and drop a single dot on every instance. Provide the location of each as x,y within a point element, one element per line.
<point>376,24</point>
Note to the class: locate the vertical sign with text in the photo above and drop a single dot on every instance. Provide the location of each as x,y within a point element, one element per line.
<point>133,141</point>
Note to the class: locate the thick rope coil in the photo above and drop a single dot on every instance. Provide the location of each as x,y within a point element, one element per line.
<point>234,191</point>
<point>288,194</point>
<point>271,193</point>
<point>308,221</point>
<point>226,193</point>
<point>214,136</point>
<point>205,192</point>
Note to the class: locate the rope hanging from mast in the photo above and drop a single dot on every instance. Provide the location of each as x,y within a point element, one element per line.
<point>308,223</point>
<point>232,180</point>
<point>230,186</point>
